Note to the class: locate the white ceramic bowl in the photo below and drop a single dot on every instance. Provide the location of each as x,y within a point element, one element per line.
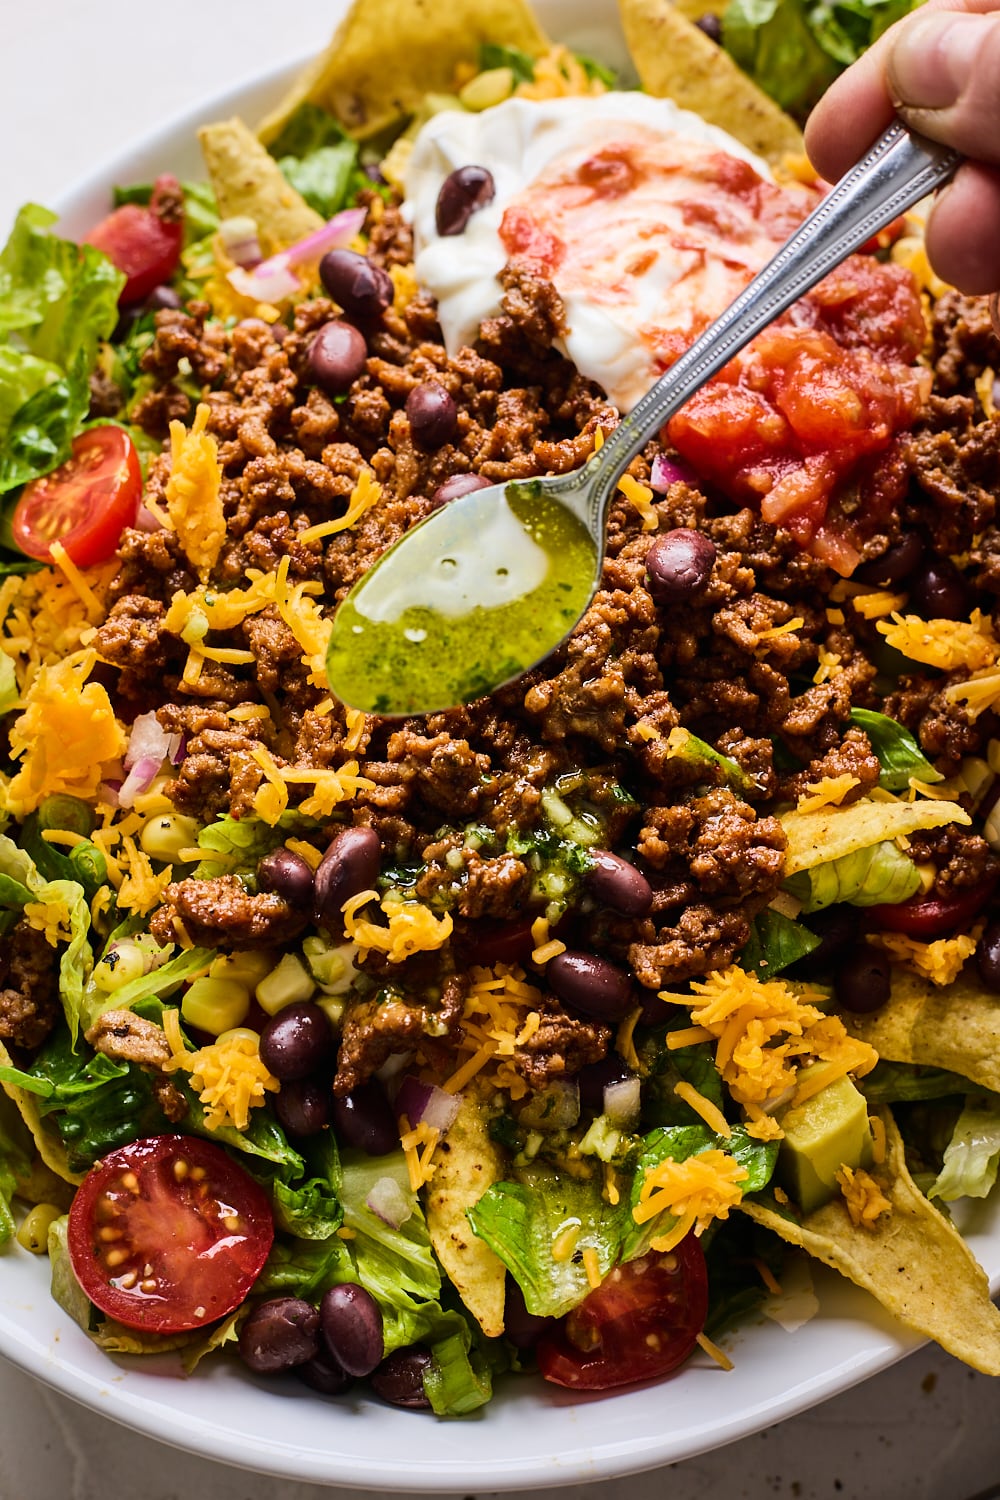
<point>532,1434</point>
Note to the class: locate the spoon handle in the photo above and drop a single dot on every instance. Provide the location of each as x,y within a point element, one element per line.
<point>899,170</point>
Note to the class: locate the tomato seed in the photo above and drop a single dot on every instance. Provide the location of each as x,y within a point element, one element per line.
<point>147,1269</point>
<point>128,1281</point>
<point>181,1169</point>
<point>149,1285</point>
<point>108,1234</point>
<point>130,1181</point>
<point>199,1312</point>
<point>116,1257</point>
<point>197,1174</point>
<point>232,1223</point>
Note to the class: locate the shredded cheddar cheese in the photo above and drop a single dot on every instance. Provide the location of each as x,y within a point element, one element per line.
<point>696,1191</point>
<point>194,504</point>
<point>864,1199</point>
<point>828,791</point>
<point>228,1075</point>
<point>366,493</point>
<point>876,605</point>
<point>640,497</point>
<point>941,961</point>
<point>947,644</point>
<point>709,1112</point>
<point>411,927</point>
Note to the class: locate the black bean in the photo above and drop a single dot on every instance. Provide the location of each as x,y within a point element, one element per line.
<point>351,1322</point>
<point>297,1041</point>
<point>400,1378</point>
<point>462,193</point>
<point>162,296</point>
<point>349,866</point>
<point>711,25</point>
<point>288,875</point>
<point>988,957</point>
<point>895,564</point>
<point>279,1334</point>
<point>364,1119</point>
<point>322,1373</point>
<point>362,288</point>
<point>616,883</point>
<point>337,357</point>
<point>433,415</point>
<point>838,929</point>
<point>679,563</point>
<point>457,485</point>
<point>594,985</point>
<point>863,981</point>
<point>596,1077</point>
<point>519,1325</point>
<point>939,592</point>
<point>304,1106</point>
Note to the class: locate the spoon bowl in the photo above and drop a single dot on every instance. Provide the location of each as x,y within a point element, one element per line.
<point>492,583</point>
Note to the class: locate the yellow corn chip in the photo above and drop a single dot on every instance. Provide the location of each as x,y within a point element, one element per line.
<point>912,1259</point>
<point>955,1027</point>
<point>385,59</point>
<point>676,60</point>
<point>247,181</point>
<point>467,1163</point>
<point>831,832</point>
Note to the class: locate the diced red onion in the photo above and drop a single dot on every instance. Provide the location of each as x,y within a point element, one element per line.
<point>148,738</point>
<point>423,1101</point>
<point>274,279</point>
<point>178,754</point>
<point>389,1203</point>
<point>146,521</point>
<point>621,1101</point>
<point>239,238</point>
<point>667,471</point>
<point>108,791</point>
<point>139,779</point>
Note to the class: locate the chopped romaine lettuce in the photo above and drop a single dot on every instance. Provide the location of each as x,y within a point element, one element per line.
<point>492,55</point>
<point>775,943</point>
<point>973,1153</point>
<point>246,840</point>
<point>879,874</point>
<point>58,300</point>
<point>898,753</point>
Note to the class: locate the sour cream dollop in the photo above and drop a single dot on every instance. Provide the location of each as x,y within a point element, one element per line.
<point>647,219</point>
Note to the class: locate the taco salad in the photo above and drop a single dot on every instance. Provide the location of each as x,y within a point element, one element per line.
<point>546,1033</point>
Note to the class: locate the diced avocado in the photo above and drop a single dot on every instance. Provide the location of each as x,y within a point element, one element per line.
<point>822,1134</point>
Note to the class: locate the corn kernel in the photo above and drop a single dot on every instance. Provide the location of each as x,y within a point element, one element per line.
<point>123,962</point>
<point>165,835</point>
<point>247,967</point>
<point>285,985</point>
<point>215,1005</point>
<point>332,1007</point>
<point>33,1234</point>
<point>487,88</point>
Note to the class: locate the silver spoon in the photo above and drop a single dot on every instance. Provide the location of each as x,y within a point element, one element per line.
<point>488,586</point>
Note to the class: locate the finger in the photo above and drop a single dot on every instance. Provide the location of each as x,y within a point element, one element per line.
<point>943,73</point>
<point>963,231</point>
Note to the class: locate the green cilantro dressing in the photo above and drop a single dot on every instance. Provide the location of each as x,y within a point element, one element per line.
<point>463,603</point>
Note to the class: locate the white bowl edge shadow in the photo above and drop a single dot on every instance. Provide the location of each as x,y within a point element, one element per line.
<point>532,1434</point>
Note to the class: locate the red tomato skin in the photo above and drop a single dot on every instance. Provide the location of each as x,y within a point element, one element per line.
<point>86,503</point>
<point>640,1323</point>
<point>193,1233</point>
<point>144,242</point>
<point>928,917</point>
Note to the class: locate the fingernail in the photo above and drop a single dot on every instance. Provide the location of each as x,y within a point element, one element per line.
<point>933,58</point>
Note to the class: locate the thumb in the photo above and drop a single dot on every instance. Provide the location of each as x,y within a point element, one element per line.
<point>944,76</point>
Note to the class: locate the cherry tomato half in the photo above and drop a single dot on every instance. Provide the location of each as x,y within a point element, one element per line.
<point>144,242</point>
<point>929,917</point>
<point>86,503</point>
<point>168,1233</point>
<point>642,1321</point>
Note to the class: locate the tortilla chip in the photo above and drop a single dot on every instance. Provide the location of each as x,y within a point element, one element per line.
<point>385,57</point>
<point>247,180</point>
<point>676,60</point>
<point>49,1147</point>
<point>468,1162</point>
<point>955,1027</point>
<point>913,1260</point>
<point>814,838</point>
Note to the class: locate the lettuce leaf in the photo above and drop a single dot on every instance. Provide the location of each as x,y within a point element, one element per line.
<point>246,840</point>
<point>318,158</point>
<point>891,1083</point>
<point>775,943</point>
<point>20,882</point>
<point>15,1164</point>
<point>58,300</point>
<point>880,873</point>
<point>972,1155</point>
<point>898,753</point>
<point>158,983</point>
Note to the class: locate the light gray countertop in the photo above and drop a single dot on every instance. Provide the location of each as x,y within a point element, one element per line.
<point>81,81</point>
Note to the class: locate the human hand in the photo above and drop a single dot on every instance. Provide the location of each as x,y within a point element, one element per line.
<point>939,69</point>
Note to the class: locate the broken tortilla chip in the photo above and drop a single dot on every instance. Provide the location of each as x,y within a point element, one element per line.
<point>247,181</point>
<point>467,1163</point>
<point>956,1027</point>
<point>912,1259</point>
<point>385,59</point>
<point>676,60</point>
<point>49,1147</point>
<point>818,838</point>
